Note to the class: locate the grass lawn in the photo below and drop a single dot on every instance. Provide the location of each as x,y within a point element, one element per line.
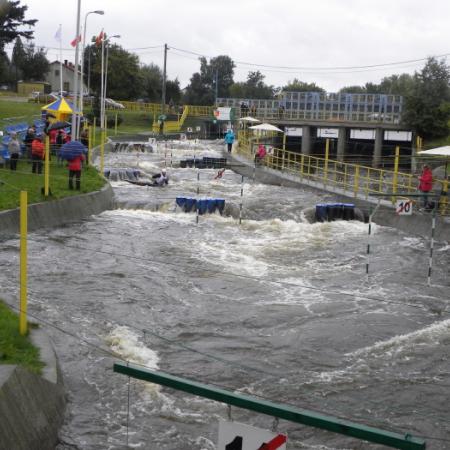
<point>18,112</point>
<point>14,348</point>
<point>12,182</point>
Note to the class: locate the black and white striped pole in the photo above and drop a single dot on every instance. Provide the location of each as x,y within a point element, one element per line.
<point>430,261</point>
<point>242,197</point>
<point>198,193</point>
<point>371,214</point>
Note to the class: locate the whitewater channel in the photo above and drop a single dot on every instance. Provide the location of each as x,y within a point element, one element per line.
<point>275,307</point>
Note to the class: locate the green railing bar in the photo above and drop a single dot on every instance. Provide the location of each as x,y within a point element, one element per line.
<point>303,416</point>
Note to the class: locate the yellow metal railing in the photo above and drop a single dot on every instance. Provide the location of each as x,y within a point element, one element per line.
<point>354,179</point>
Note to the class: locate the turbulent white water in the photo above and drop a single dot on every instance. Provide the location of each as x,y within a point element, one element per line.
<point>275,307</point>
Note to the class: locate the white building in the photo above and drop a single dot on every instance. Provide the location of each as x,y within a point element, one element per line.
<point>53,76</point>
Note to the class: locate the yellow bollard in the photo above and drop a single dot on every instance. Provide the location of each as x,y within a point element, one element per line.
<point>102,151</point>
<point>23,329</point>
<point>93,134</point>
<point>47,166</point>
<point>115,125</point>
<point>395,176</point>
<point>356,182</point>
<point>327,153</point>
<point>88,160</point>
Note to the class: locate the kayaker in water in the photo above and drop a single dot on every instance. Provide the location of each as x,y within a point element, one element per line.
<point>161,179</point>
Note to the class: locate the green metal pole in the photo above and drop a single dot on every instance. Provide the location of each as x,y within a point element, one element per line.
<point>297,415</point>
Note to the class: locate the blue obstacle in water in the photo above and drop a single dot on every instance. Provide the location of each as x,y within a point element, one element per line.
<point>203,205</point>
<point>328,212</point>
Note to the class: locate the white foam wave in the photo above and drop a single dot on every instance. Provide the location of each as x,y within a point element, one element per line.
<point>431,335</point>
<point>129,346</point>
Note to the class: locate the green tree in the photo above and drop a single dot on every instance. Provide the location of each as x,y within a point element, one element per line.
<point>301,86</point>
<point>12,17</point>
<point>173,91</point>
<point>355,89</point>
<point>151,76</point>
<point>124,80</point>
<point>35,64</point>
<point>202,87</point>
<point>254,87</point>
<point>397,84</point>
<point>427,106</point>
<point>18,59</point>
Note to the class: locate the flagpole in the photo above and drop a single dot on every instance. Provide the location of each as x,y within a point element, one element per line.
<point>60,61</point>
<point>75,88</point>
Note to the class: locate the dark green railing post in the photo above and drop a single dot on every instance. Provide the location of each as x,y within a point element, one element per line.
<point>297,415</point>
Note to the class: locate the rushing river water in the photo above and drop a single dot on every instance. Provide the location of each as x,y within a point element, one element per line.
<point>275,307</point>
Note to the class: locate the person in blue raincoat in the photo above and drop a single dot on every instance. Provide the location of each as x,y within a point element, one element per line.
<point>229,139</point>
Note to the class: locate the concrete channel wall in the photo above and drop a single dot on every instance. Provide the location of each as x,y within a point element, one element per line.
<point>32,406</point>
<point>418,224</point>
<point>58,212</point>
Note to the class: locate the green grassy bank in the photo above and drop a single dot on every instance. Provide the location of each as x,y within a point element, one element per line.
<point>22,179</point>
<point>14,348</point>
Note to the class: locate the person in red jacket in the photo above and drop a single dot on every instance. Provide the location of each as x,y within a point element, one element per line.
<point>426,184</point>
<point>74,167</point>
<point>37,154</point>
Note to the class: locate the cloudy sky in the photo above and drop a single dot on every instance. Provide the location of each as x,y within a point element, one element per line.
<point>325,41</point>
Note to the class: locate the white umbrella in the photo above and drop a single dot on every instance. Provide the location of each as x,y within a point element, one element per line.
<point>438,151</point>
<point>249,119</point>
<point>265,127</point>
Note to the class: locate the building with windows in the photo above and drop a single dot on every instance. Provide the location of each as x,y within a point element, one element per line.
<point>68,72</point>
<point>323,106</point>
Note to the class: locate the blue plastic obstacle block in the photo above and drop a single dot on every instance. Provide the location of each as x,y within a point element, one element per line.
<point>321,212</point>
<point>180,201</point>
<point>190,204</point>
<point>348,211</point>
<point>334,211</point>
<point>202,206</point>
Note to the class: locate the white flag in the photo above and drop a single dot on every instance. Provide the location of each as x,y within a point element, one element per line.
<point>58,34</point>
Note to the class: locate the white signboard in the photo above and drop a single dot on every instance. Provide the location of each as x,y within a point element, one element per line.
<point>238,436</point>
<point>328,133</point>
<point>403,207</point>
<point>198,128</point>
<point>222,113</point>
<point>405,136</point>
<point>291,131</point>
<point>362,134</point>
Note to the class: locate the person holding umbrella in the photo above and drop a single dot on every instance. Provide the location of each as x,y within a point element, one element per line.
<point>74,152</point>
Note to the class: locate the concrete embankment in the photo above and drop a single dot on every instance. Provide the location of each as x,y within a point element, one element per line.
<point>59,212</point>
<point>32,406</point>
<point>417,224</point>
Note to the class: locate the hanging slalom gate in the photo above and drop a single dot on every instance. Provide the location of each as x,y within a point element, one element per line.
<point>204,163</point>
<point>328,212</point>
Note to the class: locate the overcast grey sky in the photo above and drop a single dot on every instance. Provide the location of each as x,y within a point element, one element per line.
<point>290,33</point>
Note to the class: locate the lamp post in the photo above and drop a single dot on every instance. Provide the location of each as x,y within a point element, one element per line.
<point>100,12</point>
<point>75,91</point>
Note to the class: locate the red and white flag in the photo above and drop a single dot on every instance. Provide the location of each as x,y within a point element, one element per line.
<point>75,41</point>
<point>99,38</point>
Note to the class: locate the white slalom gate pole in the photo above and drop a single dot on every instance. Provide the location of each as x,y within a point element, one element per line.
<point>430,261</point>
<point>198,193</point>
<point>242,198</point>
<point>371,214</point>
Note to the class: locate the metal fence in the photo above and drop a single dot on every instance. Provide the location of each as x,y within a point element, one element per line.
<point>352,179</point>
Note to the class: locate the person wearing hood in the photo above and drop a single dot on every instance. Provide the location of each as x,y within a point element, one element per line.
<point>37,154</point>
<point>160,179</point>
<point>14,151</point>
<point>426,184</point>
<point>229,139</point>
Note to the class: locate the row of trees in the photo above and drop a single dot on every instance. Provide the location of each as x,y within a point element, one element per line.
<point>426,93</point>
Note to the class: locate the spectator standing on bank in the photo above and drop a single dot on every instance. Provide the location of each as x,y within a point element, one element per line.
<point>14,151</point>
<point>426,184</point>
<point>229,139</point>
<point>37,154</point>
<point>74,167</point>
<point>29,138</point>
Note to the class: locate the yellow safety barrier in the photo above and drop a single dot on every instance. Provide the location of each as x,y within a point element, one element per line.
<point>354,179</point>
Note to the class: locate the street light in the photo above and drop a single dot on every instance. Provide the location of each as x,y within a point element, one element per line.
<point>100,12</point>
